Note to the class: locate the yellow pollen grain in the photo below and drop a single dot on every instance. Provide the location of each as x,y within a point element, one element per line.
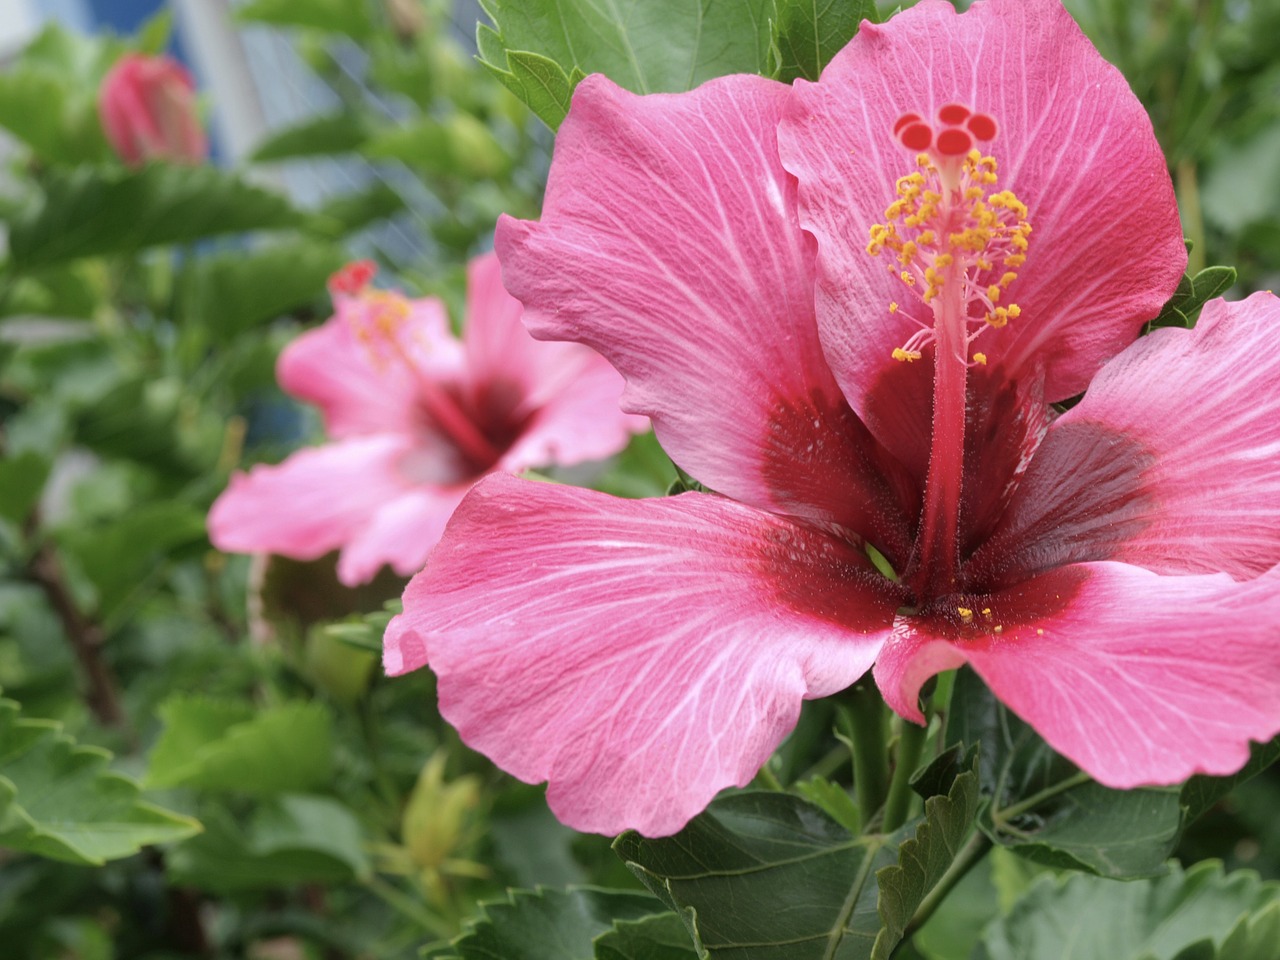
<point>980,359</point>
<point>1039,631</point>
<point>908,279</point>
<point>993,293</point>
<point>944,260</point>
<point>965,613</point>
<point>905,356</point>
<point>998,628</point>
<point>986,612</point>
<point>893,307</point>
<point>1007,279</point>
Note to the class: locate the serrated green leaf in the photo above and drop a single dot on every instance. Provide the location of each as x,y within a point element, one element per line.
<point>331,133</point>
<point>1160,918</point>
<point>88,212</point>
<point>548,924</point>
<point>1255,936</point>
<point>58,799</point>
<point>223,745</point>
<point>808,33</point>
<point>289,840</point>
<point>768,876</point>
<point>924,858</point>
<point>660,937</point>
<point>349,17</point>
<point>644,45</point>
<point>234,291</point>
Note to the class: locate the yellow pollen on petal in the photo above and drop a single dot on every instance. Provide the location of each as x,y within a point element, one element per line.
<point>965,614</point>
<point>1039,631</point>
<point>998,628</point>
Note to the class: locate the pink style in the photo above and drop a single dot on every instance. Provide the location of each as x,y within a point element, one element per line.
<point>416,416</point>
<point>148,111</point>
<point>849,307</point>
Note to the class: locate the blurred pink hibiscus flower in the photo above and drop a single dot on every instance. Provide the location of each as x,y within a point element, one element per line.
<point>147,106</point>
<point>848,308</point>
<point>416,416</point>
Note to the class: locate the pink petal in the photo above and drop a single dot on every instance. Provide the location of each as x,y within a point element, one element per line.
<point>360,390</point>
<point>496,343</point>
<point>669,243</point>
<point>400,534</point>
<point>1136,677</point>
<point>578,417</point>
<point>1171,461</point>
<point>313,502</point>
<point>1074,144</point>
<point>639,655</point>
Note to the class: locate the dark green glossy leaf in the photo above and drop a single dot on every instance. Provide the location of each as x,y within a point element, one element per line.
<point>1039,805</point>
<point>768,876</point>
<point>808,33</point>
<point>1201,792</point>
<point>547,924</point>
<point>89,212</point>
<point>58,799</point>
<point>1159,919</point>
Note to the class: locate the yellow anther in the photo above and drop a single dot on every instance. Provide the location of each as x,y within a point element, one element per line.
<point>907,356</point>
<point>983,264</point>
<point>908,253</point>
<point>893,307</point>
<point>1015,311</point>
<point>922,160</point>
<point>998,628</point>
<point>944,260</point>
<point>980,359</point>
<point>975,156</point>
<point>1014,260</point>
<point>993,293</point>
<point>1019,242</point>
<point>965,613</point>
<point>973,193</point>
<point>1007,279</point>
<point>908,279</point>
<point>986,612</point>
<point>926,238</point>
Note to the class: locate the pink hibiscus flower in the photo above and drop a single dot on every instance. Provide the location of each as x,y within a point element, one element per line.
<point>848,308</point>
<point>416,416</point>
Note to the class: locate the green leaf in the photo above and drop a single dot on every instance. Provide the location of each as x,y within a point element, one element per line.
<point>767,876</point>
<point>290,840</point>
<point>228,745</point>
<point>660,937</point>
<point>548,924</point>
<point>1183,308</point>
<point>234,291</point>
<point>350,212</point>
<point>923,859</point>
<point>21,482</point>
<point>89,212</point>
<point>808,33</point>
<point>460,146</point>
<point>1039,805</point>
<point>1255,936</point>
<point>350,17</point>
<point>58,800</point>
<point>1201,792</point>
<point>120,555</point>
<point>541,48</point>
<point>1144,920</point>
<point>331,133</point>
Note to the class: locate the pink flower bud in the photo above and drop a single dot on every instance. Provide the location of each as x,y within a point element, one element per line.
<point>147,105</point>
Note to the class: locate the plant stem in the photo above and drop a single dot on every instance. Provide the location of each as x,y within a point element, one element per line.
<point>911,738</point>
<point>965,860</point>
<point>1188,185</point>
<point>1033,801</point>
<point>86,637</point>
<point>862,712</point>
